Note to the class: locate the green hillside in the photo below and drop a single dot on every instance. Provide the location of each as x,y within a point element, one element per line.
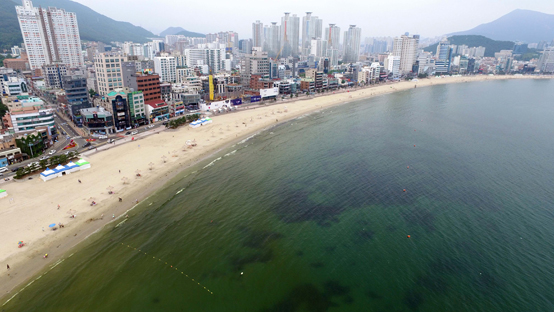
<point>491,46</point>
<point>10,34</point>
<point>92,25</point>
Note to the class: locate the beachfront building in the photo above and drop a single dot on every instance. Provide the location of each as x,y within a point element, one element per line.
<point>405,47</point>
<point>97,120</point>
<point>256,63</point>
<point>546,61</point>
<point>137,108</point>
<point>444,57</point>
<point>352,41</point>
<point>28,119</point>
<point>157,110</point>
<point>50,35</point>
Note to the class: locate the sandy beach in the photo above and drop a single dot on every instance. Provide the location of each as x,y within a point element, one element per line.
<point>32,205</point>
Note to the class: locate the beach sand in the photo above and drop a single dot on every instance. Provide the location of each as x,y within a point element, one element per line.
<point>35,203</point>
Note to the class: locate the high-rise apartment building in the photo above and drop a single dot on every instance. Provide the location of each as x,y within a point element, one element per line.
<point>332,35</point>
<point>311,29</point>
<point>50,35</point>
<point>53,75</point>
<point>166,67</point>
<point>290,34</point>
<point>318,47</point>
<point>406,48</point>
<point>352,41</point>
<point>546,61</point>
<point>273,39</point>
<point>108,67</point>
<point>257,34</point>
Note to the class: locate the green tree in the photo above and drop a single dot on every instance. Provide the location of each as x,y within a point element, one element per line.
<point>33,167</point>
<point>19,173</point>
<point>43,164</point>
<point>31,144</point>
<point>91,92</point>
<point>3,109</point>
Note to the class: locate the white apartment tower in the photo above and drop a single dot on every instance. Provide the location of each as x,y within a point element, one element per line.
<point>50,35</point>
<point>332,35</point>
<point>290,34</point>
<point>166,67</point>
<point>406,48</point>
<point>311,28</point>
<point>352,41</point>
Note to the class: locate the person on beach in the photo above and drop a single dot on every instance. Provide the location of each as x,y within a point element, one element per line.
<point>119,171</point>
<point>79,181</point>
<point>8,266</point>
<point>58,206</point>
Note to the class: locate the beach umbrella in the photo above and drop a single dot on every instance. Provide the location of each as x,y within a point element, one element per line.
<point>110,188</point>
<point>164,158</point>
<point>137,171</point>
<point>151,164</point>
<point>91,199</point>
<point>125,180</point>
<point>52,225</point>
<point>72,211</point>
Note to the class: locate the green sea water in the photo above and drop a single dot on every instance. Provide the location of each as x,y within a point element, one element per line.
<point>312,216</point>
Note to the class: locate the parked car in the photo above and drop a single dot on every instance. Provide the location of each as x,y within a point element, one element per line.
<point>3,169</point>
<point>87,144</point>
<point>103,137</point>
<point>52,152</point>
<point>44,157</point>
<point>111,141</point>
<point>134,132</point>
<point>128,132</point>
<point>16,168</point>
<point>35,163</point>
<point>66,153</point>
<point>91,147</point>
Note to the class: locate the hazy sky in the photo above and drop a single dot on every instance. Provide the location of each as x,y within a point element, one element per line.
<point>428,18</point>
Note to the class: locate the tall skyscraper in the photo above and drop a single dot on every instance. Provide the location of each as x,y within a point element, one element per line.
<point>444,57</point>
<point>332,35</point>
<point>257,34</point>
<point>273,39</point>
<point>352,41</point>
<point>50,35</point>
<point>311,29</point>
<point>406,48</point>
<point>290,34</point>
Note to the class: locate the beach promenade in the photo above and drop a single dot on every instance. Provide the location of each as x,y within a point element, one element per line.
<point>157,156</point>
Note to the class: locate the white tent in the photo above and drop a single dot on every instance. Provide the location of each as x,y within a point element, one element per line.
<point>48,174</point>
<point>72,167</point>
<point>3,193</point>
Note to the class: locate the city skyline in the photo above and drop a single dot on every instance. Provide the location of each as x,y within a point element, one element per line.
<point>393,18</point>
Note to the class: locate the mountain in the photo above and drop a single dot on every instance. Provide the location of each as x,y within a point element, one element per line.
<point>191,34</point>
<point>180,31</point>
<point>171,31</point>
<point>10,33</point>
<point>93,26</point>
<point>491,46</point>
<point>518,25</point>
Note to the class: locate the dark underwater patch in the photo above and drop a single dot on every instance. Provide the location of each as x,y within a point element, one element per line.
<point>317,265</point>
<point>239,262</point>
<point>413,299</point>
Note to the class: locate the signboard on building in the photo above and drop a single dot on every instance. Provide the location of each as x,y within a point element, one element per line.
<point>236,101</point>
<point>255,98</point>
<point>271,92</point>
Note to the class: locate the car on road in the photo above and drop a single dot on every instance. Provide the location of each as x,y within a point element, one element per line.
<point>87,144</point>
<point>52,152</point>
<point>91,147</point>
<point>150,126</point>
<point>44,157</point>
<point>16,168</point>
<point>128,132</point>
<point>33,163</point>
<point>111,141</point>
<point>66,153</point>
<point>3,169</point>
<point>134,132</point>
<point>103,137</point>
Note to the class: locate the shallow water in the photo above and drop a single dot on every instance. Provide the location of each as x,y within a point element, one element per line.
<point>312,216</point>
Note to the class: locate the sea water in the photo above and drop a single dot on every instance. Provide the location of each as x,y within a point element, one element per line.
<point>314,215</point>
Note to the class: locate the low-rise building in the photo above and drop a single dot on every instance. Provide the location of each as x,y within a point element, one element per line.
<point>97,120</point>
<point>157,110</point>
<point>28,119</point>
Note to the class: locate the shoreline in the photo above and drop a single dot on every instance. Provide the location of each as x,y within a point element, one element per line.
<point>25,217</point>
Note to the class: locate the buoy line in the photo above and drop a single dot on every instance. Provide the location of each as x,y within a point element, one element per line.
<point>171,266</point>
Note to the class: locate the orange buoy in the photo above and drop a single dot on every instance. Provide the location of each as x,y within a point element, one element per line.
<point>404,190</point>
<point>414,145</point>
<point>414,129</point>
<point>409,236</point>
<point>408,167</point>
